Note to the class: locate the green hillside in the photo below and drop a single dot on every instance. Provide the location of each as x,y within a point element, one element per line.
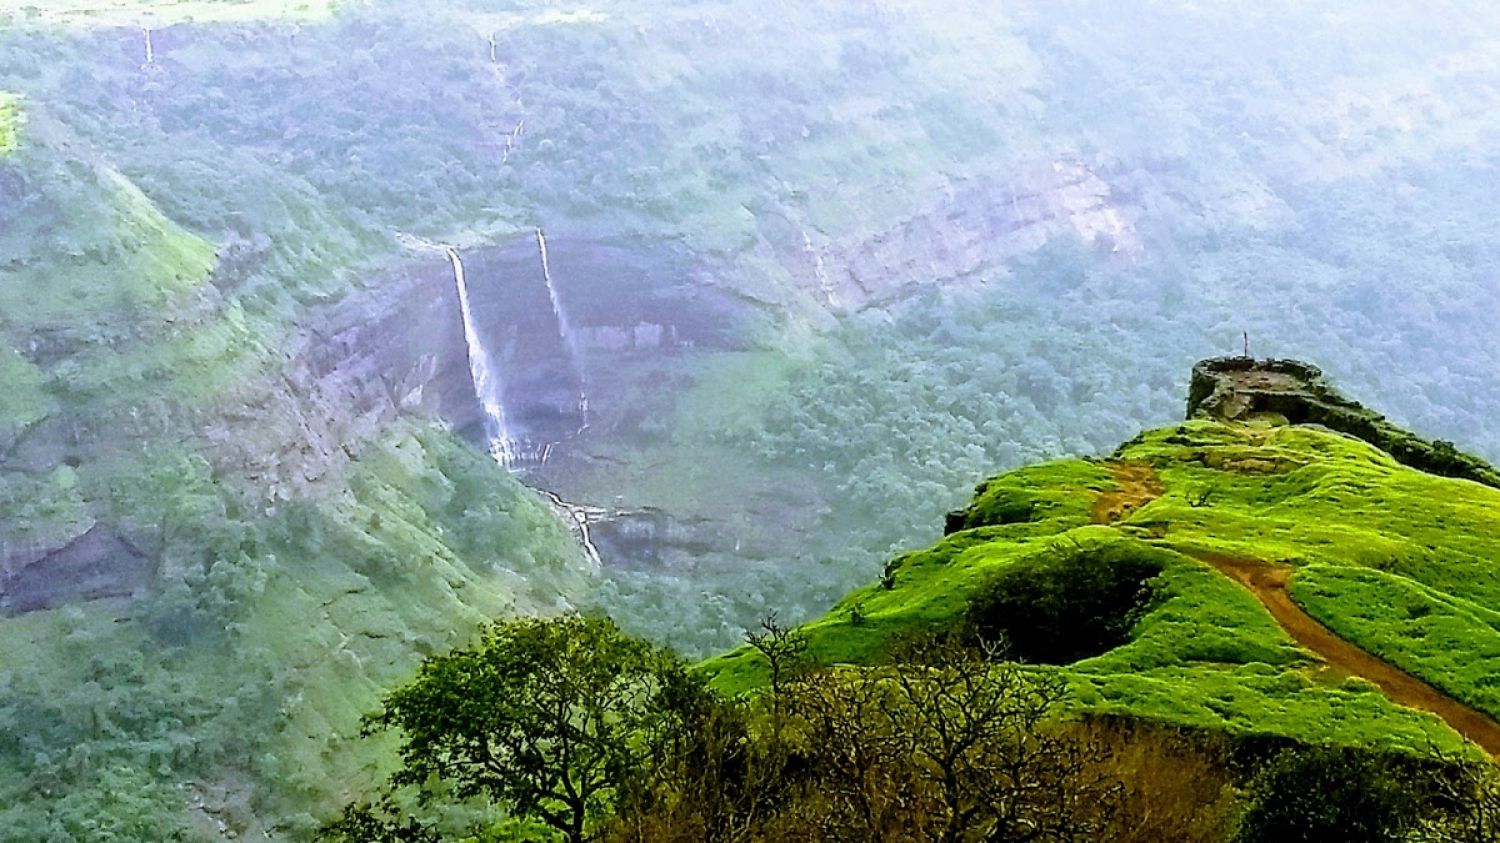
<point>248,673</point>
<point>225,684</point>
<point>963,239</point>
<point>1398,562</point>
<point>1250,627</point>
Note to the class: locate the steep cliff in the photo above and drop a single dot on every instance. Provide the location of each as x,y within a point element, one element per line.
<point>232,510</point>
<point>969,228</point>
<point>391,348</point>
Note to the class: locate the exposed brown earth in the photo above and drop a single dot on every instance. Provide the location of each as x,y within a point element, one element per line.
<point>1138,485</point>
<point>1269,585</point>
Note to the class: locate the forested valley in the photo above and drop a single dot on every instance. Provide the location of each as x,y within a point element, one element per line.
<point>338,335</point>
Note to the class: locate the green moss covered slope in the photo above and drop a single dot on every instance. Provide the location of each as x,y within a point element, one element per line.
<point>1403,564</point>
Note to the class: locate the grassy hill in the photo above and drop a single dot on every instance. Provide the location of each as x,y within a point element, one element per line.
<point>163,224</point>
<point>1399,563</point>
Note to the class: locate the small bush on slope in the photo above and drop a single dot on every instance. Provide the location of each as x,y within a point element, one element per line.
<point>1330,796</point>
<point>1060,607</point>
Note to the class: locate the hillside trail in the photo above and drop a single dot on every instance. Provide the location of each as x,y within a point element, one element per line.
<point>1269,585</point>
<point>1139,485</point>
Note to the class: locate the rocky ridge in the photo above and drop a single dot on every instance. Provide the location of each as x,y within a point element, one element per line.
<point>1238,388</point>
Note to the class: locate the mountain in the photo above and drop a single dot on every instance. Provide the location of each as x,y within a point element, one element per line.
<point>810,269</point>
<point>1283,564</point>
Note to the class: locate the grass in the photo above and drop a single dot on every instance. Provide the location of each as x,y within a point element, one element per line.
<point>1400,562</point>
<point>398,572</point>
<point>27,400</point>
<point>95,256</point>
<point>45,506</point>
<point>1395,560</point>
<point>1452,642</point>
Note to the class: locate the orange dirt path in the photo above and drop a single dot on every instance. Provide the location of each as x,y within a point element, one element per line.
<point>1139,486</point>
<point>1269,585</point>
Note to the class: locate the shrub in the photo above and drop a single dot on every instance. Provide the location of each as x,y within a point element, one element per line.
<point>1322,795</point>
<point>1065,605</point>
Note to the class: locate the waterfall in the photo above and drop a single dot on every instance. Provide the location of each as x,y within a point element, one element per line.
<point>150,51</point>
<point>564,328</point>
<point>510,140</point>
<point>488,387</point>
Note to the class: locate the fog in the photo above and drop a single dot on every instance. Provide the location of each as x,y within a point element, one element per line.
<point>329,331</point>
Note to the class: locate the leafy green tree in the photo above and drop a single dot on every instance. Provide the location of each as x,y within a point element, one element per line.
<point>548,719</point>
<point>380,822</point>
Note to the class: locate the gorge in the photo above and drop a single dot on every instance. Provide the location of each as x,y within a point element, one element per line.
<point>698,311</point>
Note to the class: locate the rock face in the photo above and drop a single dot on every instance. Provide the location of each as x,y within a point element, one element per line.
<point>973,226</point>
<point>347,370</point>
<point>1236,388</point>
<point>95,565</point>
<point>649,538</point>
<point>625,301</point>
<point>393,348</point>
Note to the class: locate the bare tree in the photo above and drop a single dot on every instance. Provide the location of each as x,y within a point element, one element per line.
<point>845,726</point>
<point>782,647</point>
<point>950,744</point>
<point>1467,797</point>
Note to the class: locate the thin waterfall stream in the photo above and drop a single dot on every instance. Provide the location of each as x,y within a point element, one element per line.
<point>820,267</point>
<point>565,329</point>
<point>488,386</point>
<point>485,373</point>
<point>580,518</point>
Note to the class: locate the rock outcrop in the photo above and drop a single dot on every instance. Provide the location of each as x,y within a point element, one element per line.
<point>971,226</point>
<point>352,367</point>
<point>95,565</point>
<point>1237,388</point>
<point>347,370</point>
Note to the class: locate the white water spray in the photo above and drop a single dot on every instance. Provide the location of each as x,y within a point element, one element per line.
<point>564,328</point>
<point>488,387</point>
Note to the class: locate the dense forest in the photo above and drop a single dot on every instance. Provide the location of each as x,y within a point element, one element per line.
<point>829,265</point>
